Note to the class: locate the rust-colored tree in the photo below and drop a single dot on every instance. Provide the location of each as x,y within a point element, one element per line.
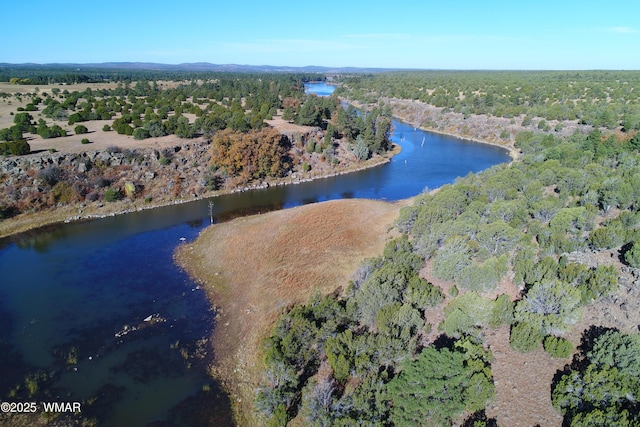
<point>252,155</point>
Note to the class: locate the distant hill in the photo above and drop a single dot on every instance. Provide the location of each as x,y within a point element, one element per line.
<point>197,66</point>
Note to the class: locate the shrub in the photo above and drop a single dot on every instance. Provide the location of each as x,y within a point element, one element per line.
<point>140,133</point>
<point>485,276</point>
<point>18,148</point>
<point>80,129</point>
<point>112,194</point>
<point>453,291</point>
<point>92,196</point>
<point>63,193</point>
<point>524,337</point>
<point>85,141</point>
<point>311,147</point>
<point>51,175</point>
<point>306,167</point>
<point>557,347</point>
<point>106,128</point>
<point>550,306</point>
<point>360,150</point>
<point>632,256</point>
<point>501,311</point>
<point>129,189</point>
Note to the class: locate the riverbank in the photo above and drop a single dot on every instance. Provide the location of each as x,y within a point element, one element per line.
<point>481,129</point>
<point>181,171</point>
<point>253,268</point>
<point>86,211</point>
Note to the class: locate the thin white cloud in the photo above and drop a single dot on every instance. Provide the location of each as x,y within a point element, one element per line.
<point>434,38</point>
<point>624,30</point>
<point>379,36</point>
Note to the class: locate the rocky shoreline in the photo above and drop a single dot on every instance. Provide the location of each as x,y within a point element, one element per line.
<point>145,168</point>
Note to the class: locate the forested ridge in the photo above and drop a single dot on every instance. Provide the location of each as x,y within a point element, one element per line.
<point>608,99</point>
<point>505,246</point>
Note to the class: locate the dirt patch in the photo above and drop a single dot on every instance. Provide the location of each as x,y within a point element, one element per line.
<point>288,128</point>
<point>523,383</point>
<point>255,267</point>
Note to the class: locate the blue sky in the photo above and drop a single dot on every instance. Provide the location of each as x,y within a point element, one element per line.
<point>559,34</point>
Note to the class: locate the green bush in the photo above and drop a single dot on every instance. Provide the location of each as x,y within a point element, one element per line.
<point>80,129</point>
<point>140,133</point>
<point>106,128</point>
<point>112,194</point>
<point>440,384</point>
<point>608,237</point>
<point>524,337</point>
<point>85,141</point>
<point>632,256</point>
<point>501,311</point>
<point>15,148</point>
<point>466,314</point>
<point>557,347</point>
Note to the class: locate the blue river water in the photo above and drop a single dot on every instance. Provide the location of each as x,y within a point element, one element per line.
<point>102,314</point>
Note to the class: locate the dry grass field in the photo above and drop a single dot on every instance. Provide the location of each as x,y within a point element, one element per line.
<point>255,267</point>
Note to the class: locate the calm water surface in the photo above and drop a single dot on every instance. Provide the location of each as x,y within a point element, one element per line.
<point>74,298</point>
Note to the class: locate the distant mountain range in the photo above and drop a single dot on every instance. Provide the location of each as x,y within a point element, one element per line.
<point>201,66</point>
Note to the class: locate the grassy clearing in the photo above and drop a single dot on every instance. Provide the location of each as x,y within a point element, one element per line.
<point>255,267</point>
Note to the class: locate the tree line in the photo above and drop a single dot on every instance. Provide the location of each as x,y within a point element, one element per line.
<point>608,99</point>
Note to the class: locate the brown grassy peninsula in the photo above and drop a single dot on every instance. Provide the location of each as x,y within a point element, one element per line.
<point>255,267</point>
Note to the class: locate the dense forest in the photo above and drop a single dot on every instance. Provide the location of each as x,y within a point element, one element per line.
<point>372,356</point>
<point>33,74</point>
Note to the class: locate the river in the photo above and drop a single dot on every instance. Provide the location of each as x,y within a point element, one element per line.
<point>98,311</point>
